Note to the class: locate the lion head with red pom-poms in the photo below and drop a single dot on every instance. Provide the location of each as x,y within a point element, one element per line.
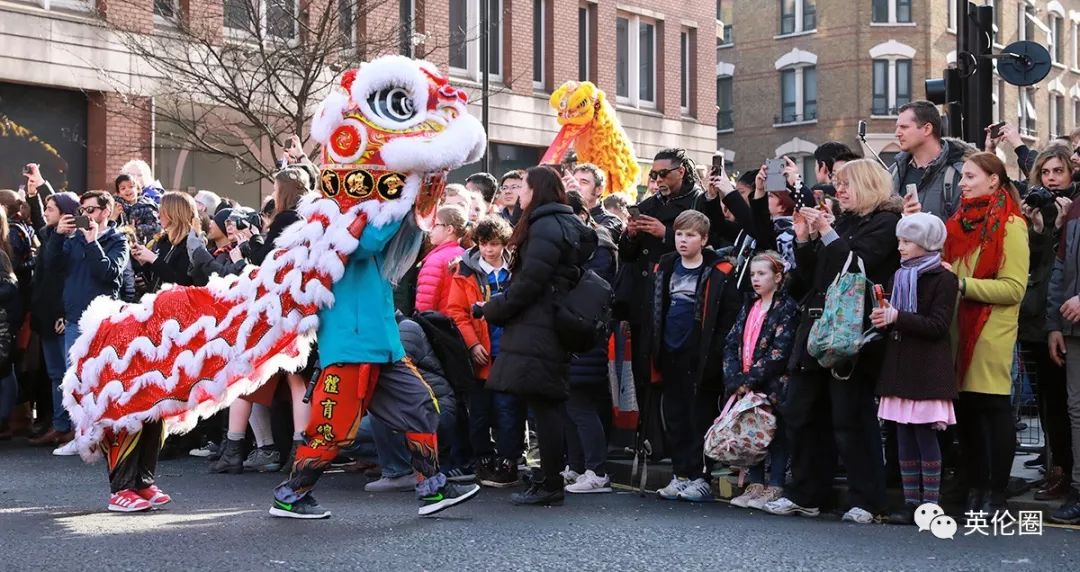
<point>390,130</point>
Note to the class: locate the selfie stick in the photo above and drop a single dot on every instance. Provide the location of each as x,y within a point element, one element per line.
<point>862,139</point>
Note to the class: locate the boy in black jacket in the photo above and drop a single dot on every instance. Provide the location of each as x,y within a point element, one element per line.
<point>694,306</point>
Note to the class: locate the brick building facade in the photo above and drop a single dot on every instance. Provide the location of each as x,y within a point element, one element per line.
<point>647,55</point>
<point>856,61</point>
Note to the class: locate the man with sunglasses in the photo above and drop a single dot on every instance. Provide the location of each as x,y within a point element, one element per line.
<point>91,259</point>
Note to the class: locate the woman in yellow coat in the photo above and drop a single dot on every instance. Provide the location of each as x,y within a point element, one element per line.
<point>987,246</point>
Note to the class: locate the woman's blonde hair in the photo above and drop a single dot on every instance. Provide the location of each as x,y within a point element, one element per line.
<point>182,213</point>
<point>869,182</point>
<point>1053,151</point>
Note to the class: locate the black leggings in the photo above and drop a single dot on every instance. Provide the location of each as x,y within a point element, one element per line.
<point>548,415</point>
<point>987,438</point>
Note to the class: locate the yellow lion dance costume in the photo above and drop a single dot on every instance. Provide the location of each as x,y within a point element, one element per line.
<point>588,122</point>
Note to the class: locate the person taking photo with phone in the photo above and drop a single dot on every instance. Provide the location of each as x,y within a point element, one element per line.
<point>90,256</point>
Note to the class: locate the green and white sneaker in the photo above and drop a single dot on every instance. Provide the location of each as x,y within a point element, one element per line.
<point>449,495</point>
<point>305,508</point>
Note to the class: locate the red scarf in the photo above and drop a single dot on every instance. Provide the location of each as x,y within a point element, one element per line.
<point>978,225</point>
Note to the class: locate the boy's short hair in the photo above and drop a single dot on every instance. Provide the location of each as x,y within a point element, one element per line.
<point>492,229</point>
<point>692,220</point>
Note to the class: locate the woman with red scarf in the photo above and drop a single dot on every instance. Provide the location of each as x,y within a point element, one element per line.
<point>987,246</point>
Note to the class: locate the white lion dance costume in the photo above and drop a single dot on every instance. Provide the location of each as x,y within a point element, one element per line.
<point>389,131</point>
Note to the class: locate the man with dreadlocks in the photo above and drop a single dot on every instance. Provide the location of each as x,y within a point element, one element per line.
<point>648,237</point>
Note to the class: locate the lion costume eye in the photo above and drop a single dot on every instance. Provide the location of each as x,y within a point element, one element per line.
<point>392,104</point>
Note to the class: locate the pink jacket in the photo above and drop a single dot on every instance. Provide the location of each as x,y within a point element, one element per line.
<point>433,282</point>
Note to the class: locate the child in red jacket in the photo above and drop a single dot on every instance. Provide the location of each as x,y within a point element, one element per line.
<point>482,272</point>
<point>433,282</point>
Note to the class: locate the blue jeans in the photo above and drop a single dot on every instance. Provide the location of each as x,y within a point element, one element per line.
<point>778,460</point>
<point>498,413</point>
<point>53,350</point>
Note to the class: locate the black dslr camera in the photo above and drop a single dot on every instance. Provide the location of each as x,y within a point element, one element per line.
<point>1042,199</point>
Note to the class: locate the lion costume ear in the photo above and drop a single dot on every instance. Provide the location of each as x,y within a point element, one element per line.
<point>598,93</point>
<point>557,95</point>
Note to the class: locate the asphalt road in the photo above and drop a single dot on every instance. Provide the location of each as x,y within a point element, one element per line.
<point>52,517</point>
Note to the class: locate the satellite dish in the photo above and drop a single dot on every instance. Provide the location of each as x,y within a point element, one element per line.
<point>1023,63</point>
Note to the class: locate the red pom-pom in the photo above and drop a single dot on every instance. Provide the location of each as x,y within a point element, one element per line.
<point>347,79</point>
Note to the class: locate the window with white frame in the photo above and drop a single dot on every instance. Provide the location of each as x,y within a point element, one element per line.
<point>68,5</point>
<point>895,12</point>
<point>892,77</point>
<point>725,111</point>
<point>725,13</point>
<point>950,6</point>
<point>1026,25</point>
<point>1076,110</point>
<point>1056,24</point>
<point>465,28</point>
<point>797,16</point>
<point>1029,119</point>
<point>167,10</point>
<point>684,71</point>
<point>276,18</point>
<point>584,31</point>
<point>539,39</point>
<point>1074,45</point>
<point>1057,115</point>
<point>635,61</point>
<point>798,87</point>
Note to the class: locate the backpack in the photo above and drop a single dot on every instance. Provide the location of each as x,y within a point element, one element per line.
<point>449,347</point>
<point>837,336</point>
<point>741,435</point>
<point>583,313</point>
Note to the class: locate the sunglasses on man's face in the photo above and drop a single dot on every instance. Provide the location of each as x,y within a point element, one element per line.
<point>88,210</point>
<point>661,173</point>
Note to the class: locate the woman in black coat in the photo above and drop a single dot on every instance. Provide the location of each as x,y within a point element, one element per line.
<point>168,262</point>
<point>550,245</point>
<point>825,406</point>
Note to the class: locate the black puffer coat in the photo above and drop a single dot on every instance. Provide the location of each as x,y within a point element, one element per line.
<point>531,361</point>
<point>591,367</point>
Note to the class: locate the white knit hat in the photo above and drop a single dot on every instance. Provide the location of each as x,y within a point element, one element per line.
<point>923,229</point>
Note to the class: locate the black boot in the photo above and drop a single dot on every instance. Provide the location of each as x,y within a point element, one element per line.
<point>976,501</point>
<point>905,515</point>
<point>231,460</point>
<point>537,494</point>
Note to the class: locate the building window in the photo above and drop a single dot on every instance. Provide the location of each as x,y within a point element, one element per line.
<point>73,5</point>
<point>892,86</point>
<point>897,12</point>
<point>279,18</point>
<point>1057,38</point>
<point>798,95</point>
<point>725,16</point>
<point>684,71</point>
<point>1057,115</point>
<point>725,116</point>
<point>951,10</point>
<point>797,16</point>
<point>1028,118</point>
<point>583,43</point>
<point>465,30</point>
<point>1026,25</point>
<point>539,32</point>
<point>166,9</point>
<point>1076,111</point>
<point>635,61</point>
<point>1075,40</point>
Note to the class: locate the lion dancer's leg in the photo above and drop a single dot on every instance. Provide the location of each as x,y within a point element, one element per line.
<point>132,461</point>
<point>341,395</point>
<point>405,403</point>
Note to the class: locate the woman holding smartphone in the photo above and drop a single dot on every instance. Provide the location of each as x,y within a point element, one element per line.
<point>168,262</point>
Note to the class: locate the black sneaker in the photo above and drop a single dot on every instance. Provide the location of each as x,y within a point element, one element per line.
<point>1069,513</point>
<point>502,474</point>
<point>305,508</point>
<point>485,468</point>
<point>449,495</point>
<point>536,494</point>
<point>1039,461</point>
<point>461,475</point>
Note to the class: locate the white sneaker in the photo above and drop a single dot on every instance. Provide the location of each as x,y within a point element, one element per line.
<point>590,483</point>
<point>570,476</point>
<point>672,490</point>
<point>783,506</point>
<point>753,491</point>
<point>766,496</point>
<point>66,450</point>
<point>697,491</point>
<point>858,516</point>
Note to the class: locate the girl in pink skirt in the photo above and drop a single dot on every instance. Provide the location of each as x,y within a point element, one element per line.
<point>918,382</point>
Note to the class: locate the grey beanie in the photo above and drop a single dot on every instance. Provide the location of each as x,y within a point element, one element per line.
<point>923,229</point>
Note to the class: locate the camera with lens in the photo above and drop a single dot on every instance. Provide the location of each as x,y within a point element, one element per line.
<point>1042,199</point>
<point>241,218</point>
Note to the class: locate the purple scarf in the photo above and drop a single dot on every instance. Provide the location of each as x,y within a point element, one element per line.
<point>906,280</point>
